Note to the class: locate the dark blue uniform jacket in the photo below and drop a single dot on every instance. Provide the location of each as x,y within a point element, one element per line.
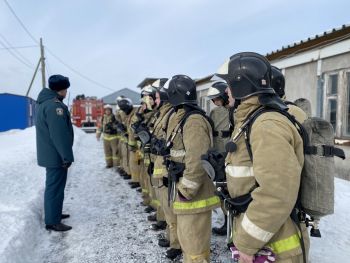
<point>54,131</point>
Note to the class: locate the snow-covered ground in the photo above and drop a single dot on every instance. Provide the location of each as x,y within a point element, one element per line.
<point>109,224</point>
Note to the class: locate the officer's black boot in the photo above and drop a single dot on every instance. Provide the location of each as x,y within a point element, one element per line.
<point>58,227</point>
<point>172,253</point>
<point>64,216</point>
<point>220,231</point>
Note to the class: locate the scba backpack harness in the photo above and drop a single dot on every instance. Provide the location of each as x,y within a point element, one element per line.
<point>316,192</point>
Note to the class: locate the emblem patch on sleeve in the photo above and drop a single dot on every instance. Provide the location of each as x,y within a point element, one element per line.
<point>59,111</point>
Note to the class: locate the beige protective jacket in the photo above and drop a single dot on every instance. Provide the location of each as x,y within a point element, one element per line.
<point>159,133</point>
<point>188,147</point>
<point>277,150</point>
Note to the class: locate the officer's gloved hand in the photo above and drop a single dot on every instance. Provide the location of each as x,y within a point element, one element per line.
<point>66,165</point>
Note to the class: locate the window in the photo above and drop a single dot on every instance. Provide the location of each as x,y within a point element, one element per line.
<point>333,85</point>
<point>332,99</point>
<point>332,112</point>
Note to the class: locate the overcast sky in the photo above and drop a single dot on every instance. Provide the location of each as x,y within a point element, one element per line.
<point>118,43</point>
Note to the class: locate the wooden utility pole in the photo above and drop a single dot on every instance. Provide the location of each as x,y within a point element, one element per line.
<point>42,59</point>
<point>42,62</point>
<point>31,83</point>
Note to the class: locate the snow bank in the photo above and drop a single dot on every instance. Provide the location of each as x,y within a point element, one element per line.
<point>21,197</point>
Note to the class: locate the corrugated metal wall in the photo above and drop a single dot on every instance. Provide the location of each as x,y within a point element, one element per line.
<point>16,112</point>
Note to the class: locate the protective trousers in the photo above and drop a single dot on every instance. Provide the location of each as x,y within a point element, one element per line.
<point>110,148</point>
<point>54,194</point>
<point>144,184</point>
<point>125,153</point>
<point>134,166</point>
<point>194,232</point>
<point>170,217</point>
<point>117,161</point>
<point>155,194</point>
<point>152,194</point>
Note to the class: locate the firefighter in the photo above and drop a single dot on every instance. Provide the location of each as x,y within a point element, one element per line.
<point>189,135</point>
<point>151,98</point>
<point>158,140</point>
<point>109,130</point>
<point>222,132</point>
<point>147,120</point>
<point>54,138</point>
<point>134,162</point>
<point>264,174</point>
<point>126,106</point>
<point>120,116</point>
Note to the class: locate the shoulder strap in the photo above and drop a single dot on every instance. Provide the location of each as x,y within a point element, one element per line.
<point>179,127</point>
<point>287,102</point>
<point>202,113</point>
<point>150,117</point>
<point>254,115</point>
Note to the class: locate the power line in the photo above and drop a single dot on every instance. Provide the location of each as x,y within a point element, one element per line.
<point>77,72</point>
<point>16,56</point>
<point>55,56</point>
<point>21,23</point>
<point>16,51</point>
<point>19,47</point>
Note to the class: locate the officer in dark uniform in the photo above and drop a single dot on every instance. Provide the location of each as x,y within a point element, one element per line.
<point>54,138</point>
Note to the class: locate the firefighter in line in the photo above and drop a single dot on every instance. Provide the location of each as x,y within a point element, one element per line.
<point>189,136</point>
<point>159,216</point>
<point>147,120</point>
<point>222,131</point>
<point>126,107</point>
<point>158,142</point>
<point>134,165</point>
<point>109,130</point>
<point>118,117</point>
<point>271,175</point>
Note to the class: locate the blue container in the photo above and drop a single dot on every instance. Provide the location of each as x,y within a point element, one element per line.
<point>16,112</point>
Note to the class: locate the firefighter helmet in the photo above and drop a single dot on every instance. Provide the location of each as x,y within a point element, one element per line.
<point>107,106</point>
<point>277,81</point>
<point>218,90</point>
<point>119,98</point>
<point>125,104</point>
<point>247,74</point>
<point>181,90</point>
<point>159,85</point>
